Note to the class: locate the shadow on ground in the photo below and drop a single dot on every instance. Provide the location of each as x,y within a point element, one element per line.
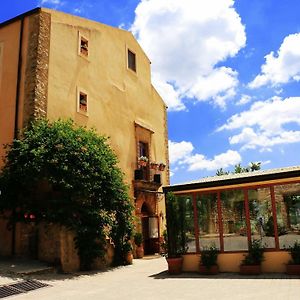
<point>194,275</point>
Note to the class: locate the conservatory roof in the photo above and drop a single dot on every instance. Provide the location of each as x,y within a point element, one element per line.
<point>234,179</point>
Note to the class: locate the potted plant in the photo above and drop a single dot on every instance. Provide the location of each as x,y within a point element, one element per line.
<point>127,250</point>
<point>143,161</point>
<point>154,165</point>
<point>161,166</point>
<point>138,240</point>
<point>176,239</point>
<point>208,264</point>
<point>251,265</point>
<point>293,267</point>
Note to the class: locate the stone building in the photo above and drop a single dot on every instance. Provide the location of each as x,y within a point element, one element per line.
<point>56,65</point>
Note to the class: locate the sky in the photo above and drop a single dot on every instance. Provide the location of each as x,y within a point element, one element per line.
<point>228,70</point>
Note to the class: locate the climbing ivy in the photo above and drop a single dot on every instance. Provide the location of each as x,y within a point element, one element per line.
<point>66,174</point>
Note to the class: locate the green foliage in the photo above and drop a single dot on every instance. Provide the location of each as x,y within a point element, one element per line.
<point>295,253</point>
<point>68,175</point>
<point>209,256</point>
<point>269,228</point>
<point>239,169</point>
<point>255,253</point>
<point>138,239</point>
<point>176,226</point>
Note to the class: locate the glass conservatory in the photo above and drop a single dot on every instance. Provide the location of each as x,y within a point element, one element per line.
<point>230,211</point>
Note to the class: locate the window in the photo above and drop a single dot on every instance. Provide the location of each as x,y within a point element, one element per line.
<point>208,221</point>
<point>143,149</point>
<point>287,198</point>
<point>234,220</point>
<point>83,46</point>
<point>187,217</point>
<point>144,152</point>
<point>261,216</point>
<point>82,102</point>
<point>131,61</point>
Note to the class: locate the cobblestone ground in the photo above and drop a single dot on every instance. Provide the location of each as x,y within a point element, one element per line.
<point>147,279</point>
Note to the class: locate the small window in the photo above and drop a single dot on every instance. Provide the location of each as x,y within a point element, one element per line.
<point>82,102</point>
<point>84,46</point>
<point>131,61</point>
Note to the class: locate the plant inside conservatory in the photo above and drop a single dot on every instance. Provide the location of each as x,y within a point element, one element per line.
<point>176,239</point>
<point>293,267</point>
<point>208,264</point>
<point>251,265</point>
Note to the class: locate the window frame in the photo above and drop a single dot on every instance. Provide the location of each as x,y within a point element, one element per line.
<point>82,37</point>
<point>134,70</point>
<point>81,91</point>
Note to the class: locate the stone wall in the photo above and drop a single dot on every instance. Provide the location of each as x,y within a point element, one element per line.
<point>36,74</point>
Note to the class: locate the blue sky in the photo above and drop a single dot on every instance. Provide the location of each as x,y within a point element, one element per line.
<point>228,70</point>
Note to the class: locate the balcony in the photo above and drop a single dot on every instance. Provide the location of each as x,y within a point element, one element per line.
<point>144,179</point>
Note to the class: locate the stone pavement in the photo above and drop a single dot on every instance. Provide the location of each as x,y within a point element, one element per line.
<point>147,279</point>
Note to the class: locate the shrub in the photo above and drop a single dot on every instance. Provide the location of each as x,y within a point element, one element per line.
<point>85,190</point>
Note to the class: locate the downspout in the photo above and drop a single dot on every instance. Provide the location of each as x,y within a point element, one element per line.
<point>13,241</point>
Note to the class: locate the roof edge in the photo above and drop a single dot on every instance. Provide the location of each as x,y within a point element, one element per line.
<point>21,16</point>
<point>231,181</point>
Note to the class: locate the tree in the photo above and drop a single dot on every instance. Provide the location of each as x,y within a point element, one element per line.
<point>65,174</point>
<point>253,166</point>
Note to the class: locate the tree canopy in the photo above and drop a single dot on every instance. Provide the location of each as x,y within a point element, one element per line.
<point>62,173</point>
<point>254,166</point>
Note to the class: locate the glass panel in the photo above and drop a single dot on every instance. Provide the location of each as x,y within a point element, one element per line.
<point>288,213</point>
<point>261,216</point>
<point>153,227</point>
<point>187,216</point>
<point>234,220</point>
<point>208,221</point>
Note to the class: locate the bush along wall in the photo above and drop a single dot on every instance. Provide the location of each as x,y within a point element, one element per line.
<point>85,191</point>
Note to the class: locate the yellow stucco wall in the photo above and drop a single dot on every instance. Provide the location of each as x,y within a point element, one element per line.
<point>9,43</point>
<point>274,262</point>
<point>117,96</point>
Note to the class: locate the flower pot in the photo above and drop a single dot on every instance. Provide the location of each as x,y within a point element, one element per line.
<point>161,167</point>
<point>129,258</point>
<point>139,251</point>
<point>211,270</point>
<point>153,166</point>
<point>174,265</point>
<point>250,269</point>
<point>142,163</point>
<point>292,269</point>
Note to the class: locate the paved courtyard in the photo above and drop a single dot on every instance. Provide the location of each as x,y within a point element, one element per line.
<point>147,279</point>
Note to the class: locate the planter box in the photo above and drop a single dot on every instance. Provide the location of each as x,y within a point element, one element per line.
<point>212,270</point>
<point>156,178</point>
<point>174,265</point>
<point>139,252</point>
<point>293,269</point>
<point>250,269</point>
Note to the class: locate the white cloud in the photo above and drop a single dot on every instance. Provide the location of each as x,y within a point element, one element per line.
<point>223,160</point>
<point>168,93</point>
<point>51,2</point>
<point>181,153</point>
<point>244,100</point>
<point>185,40</point>
<point>266,124</point>
<point>282,67</point>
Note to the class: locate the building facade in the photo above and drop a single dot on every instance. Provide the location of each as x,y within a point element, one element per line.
<point>231,211</point>
<point>55,65</point>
